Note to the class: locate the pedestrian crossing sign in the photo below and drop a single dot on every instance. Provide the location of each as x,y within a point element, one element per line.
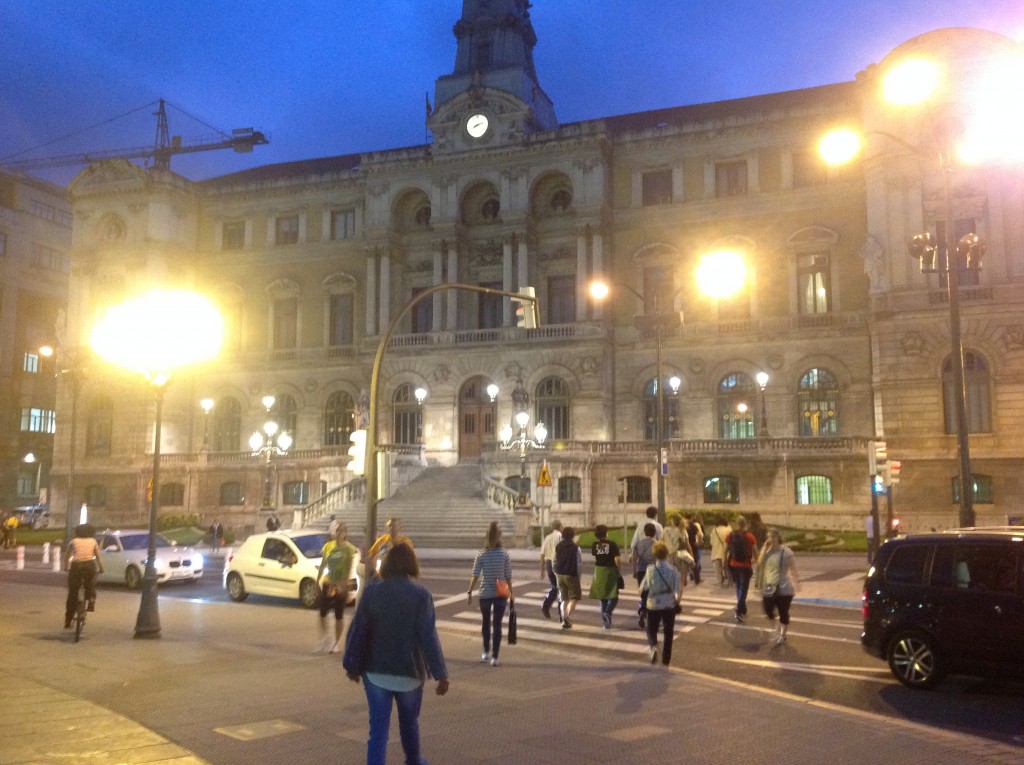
<point>544,479</point>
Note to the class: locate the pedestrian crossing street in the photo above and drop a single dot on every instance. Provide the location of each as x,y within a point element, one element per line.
<point>625,636</point>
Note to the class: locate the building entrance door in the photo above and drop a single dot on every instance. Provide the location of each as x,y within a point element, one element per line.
<point>477,414</point>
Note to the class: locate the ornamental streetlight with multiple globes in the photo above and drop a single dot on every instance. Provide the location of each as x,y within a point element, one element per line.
<point>523,442</point>
<point>156,335</point>
<point>916,81</point>
<point>269,442</point>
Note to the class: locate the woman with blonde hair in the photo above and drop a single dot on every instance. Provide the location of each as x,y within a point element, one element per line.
<point>493,569</point>
<point>777,579</point>
<point>664,589</point>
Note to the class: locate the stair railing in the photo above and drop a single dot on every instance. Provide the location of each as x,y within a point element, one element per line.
<point>334,500</point>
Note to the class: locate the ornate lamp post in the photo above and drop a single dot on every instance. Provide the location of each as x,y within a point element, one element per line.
<point>207,406</point>
<point>912,82</point>
<point>523,442</point>
<point>267,443</point>
<point>155,335</point>
<point>762,382</point>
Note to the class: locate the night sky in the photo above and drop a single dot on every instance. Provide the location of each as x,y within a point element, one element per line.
<point>327,77</point>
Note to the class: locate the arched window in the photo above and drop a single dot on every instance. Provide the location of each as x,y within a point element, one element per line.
<point>552,400</point>
<point>736,398</point>
<point>979,405</point>
<point>669,416</point>
<point>227,425</point>
<point>338,419</point>
<point>719,489</point>
<point>285,412</point>
<point>172,494</point>
<point>99,426</point>
<point>231,493</point>
<point>408,416</point>
<point>570,489</point>
<point>813,490</point>
<point>818,399</point>
<point>519,484</point>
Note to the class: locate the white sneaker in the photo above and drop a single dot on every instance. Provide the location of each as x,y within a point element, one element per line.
<point>485,657</point>
<point>780,639</point>
<point>494,662</point>
<point>654,655</point>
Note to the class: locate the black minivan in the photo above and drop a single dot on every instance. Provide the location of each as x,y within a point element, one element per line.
<point>947,602</point>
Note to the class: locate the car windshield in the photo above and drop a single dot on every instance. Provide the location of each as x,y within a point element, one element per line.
<point>311,545</point>
<point>141,541</point>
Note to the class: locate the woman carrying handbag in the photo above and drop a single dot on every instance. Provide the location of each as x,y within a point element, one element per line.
<point>777,580</point>
<point>664,589</point>
<point>493,569</point>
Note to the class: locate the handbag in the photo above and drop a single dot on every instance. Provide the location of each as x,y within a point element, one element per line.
<point>770,588</point>
<point>501,588</point>
<point>512,637</point>
<point>679,606</point>
<point>621,584</point>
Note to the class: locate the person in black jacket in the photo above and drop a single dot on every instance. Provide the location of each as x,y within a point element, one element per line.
<point>568,563</point>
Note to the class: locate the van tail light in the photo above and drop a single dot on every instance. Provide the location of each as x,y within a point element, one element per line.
<point>864,603</point>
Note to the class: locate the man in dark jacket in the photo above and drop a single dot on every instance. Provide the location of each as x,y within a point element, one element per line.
<point>568,562</point>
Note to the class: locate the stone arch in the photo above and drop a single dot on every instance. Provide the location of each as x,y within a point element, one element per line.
<point>411,210</point>
<point>551,195</point>
<point>480,204</point>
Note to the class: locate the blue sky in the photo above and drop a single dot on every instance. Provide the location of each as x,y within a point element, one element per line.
<point>326,77</point>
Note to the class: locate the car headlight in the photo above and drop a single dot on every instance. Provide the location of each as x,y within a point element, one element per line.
<point>197,560</point>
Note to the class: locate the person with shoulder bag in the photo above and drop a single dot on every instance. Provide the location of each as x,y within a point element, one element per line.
<point>663,586</point>
<point>777,579</point>
<point>493,569</point>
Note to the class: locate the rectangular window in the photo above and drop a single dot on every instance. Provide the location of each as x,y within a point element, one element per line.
<point>730,178</point>
<point>49,258</point>
<point>172,494</point>
<point>30,363</point>
<point>561,299</point>
<point>233,234</point>
<point>343,224</point>
<point>657,187</point>
<point>341,319</point>
<point>295,493</point>
<point>38,420</point>
<point>813,490</point>
<point>638,489</point>
<point>422,314</point>
<point>808,169</point>
<point>286,323</point>
<point>719,489</point>
<point>3,244</point>
<point>96,495</point>
<point>490,307</point>
<point>982,493</point>
<point>231,493</point>
<point>658,288</point>
<point>570,490</point>
<point>27,483</point>
<point>287,229</point>
<point>814,282</point>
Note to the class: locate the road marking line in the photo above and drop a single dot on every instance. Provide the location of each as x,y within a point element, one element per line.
<point>816,670</point>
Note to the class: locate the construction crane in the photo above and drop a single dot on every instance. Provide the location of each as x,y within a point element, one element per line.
<point>241,140</point>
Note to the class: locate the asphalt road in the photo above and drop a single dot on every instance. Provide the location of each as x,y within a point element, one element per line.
<point>821,662</point>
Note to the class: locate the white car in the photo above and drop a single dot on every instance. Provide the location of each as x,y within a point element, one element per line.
<point>124,556</point>
<point>280,563</point>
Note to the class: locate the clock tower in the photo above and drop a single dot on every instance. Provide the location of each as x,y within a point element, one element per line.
<point>493,95</point>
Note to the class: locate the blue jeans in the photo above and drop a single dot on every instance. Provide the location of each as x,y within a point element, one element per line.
<point>379,701</point>
<point>741,576</point>
<point>490,623</point>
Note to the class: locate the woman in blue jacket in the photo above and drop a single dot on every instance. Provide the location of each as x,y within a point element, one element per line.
<point>393,646</point>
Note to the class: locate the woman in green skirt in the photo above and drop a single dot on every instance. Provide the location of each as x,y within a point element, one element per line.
<point>605,585</point>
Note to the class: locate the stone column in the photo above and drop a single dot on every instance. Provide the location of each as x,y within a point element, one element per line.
<point>452,251</point>
<point>506,278</point>
<point>596,269</point>
<point>384,306</point>
<point>437,314</point>
<point>371,293</point>
<point>582,272</point>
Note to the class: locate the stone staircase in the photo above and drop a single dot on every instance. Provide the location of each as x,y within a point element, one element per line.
<point>444,507</point>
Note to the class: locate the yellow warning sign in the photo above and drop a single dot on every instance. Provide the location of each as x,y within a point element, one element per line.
<point>544,479</point>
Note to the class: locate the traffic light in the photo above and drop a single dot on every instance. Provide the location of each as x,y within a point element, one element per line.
<point>526,308</point>
<point>357,452</point>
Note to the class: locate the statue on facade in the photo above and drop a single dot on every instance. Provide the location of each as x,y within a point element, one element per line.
<point>361,413</point>
<point>874,266</point>
<point>520,398</point>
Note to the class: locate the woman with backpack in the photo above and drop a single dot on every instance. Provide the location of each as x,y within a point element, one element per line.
<point>741,552</point>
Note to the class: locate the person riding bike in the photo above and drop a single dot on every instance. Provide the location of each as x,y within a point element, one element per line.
<point>83,563</point>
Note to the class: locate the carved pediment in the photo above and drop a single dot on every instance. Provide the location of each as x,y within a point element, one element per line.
<point>109,175</point>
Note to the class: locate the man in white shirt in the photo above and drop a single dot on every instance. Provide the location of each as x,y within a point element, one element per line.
<point>547,563</point>
<point>659,530</point>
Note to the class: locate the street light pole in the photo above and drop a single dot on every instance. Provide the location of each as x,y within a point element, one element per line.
<point>267,444</point>
<point>762,382</point>
<point>523,442</point>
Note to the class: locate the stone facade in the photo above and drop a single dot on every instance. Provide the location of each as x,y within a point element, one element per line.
<point>313,261</point>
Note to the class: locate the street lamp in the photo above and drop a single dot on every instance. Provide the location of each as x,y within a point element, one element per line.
<point>207,407</point>
<point>155,335</point>
<point>911,82</point>
<point>267,444</point>
<point>522,442</point>
<point>74,374</point>
<point>762,382</point>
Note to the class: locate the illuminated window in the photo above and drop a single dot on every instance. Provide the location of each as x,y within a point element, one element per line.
<point>818,399</point>
<point>720,489</point>
<point>338,419</point>
<point>813,490</point>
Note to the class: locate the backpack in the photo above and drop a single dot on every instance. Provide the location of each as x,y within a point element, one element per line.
<point>739,549</point>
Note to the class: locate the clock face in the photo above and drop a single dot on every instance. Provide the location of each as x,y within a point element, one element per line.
<point>477,125</point>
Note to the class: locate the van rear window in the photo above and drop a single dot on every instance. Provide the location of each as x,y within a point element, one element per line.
<point>907,564</point>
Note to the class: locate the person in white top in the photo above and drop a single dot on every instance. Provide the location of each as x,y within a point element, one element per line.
<point>651,514</point>
<point>547,563</point>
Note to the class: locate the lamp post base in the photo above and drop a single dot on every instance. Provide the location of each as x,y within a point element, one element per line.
<point>147,624</point>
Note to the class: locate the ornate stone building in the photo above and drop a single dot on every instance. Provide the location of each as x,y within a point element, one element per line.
<point>312,261</point>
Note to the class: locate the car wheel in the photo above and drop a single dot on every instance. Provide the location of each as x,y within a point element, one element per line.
<point>309,593</point>
<point>133,578</point>
<point>236,587</point>
<point>914,659</point>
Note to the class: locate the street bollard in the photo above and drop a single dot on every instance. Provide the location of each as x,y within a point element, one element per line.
<point>20,564</point>
<point>56,561</point>
<point>46,553</point>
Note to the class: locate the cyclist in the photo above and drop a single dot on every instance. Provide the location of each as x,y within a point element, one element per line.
<point>83,563</point>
